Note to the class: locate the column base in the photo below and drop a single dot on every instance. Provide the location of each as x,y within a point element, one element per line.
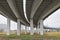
<point>25,33</point>
<point>31,33</point>
<point>7,33</point>
<point>38,31</point>
<point>41,33</point>
<point>18,34</point>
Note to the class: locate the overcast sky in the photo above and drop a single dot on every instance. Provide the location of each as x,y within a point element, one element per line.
<point>52,21</point>
<point>3,20</point>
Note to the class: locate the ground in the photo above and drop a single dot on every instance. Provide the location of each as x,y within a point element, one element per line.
<point>46,36</point>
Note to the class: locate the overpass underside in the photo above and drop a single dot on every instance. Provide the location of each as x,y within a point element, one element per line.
<point>35,11</point>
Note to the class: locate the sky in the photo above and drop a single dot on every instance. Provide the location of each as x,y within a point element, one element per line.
<point>3,20</point>
<point>52,21</point>
<point>13,25</point>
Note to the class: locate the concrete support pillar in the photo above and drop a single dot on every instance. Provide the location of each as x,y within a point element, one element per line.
<point>25,29</point>
<point>8,27</point>
<point>31,27</point>
<point>38,27</point>
<point>41,27</point>
<point>36,30</point>
<point>18,27</point>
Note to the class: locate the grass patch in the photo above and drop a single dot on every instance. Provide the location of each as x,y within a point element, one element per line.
<point>35,36</point>
<point>13,36</point>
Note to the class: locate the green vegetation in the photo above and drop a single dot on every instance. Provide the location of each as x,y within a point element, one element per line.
<point>29,37</point>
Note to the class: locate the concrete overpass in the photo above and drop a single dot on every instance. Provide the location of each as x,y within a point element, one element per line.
<point>36,11</point>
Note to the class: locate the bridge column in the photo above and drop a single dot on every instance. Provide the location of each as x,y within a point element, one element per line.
<point>38,28</point>
<point>31,27</point>
<point>18,27</point>
<point>41,27</point>
<point>25,29</point>
<point>8,27</point>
